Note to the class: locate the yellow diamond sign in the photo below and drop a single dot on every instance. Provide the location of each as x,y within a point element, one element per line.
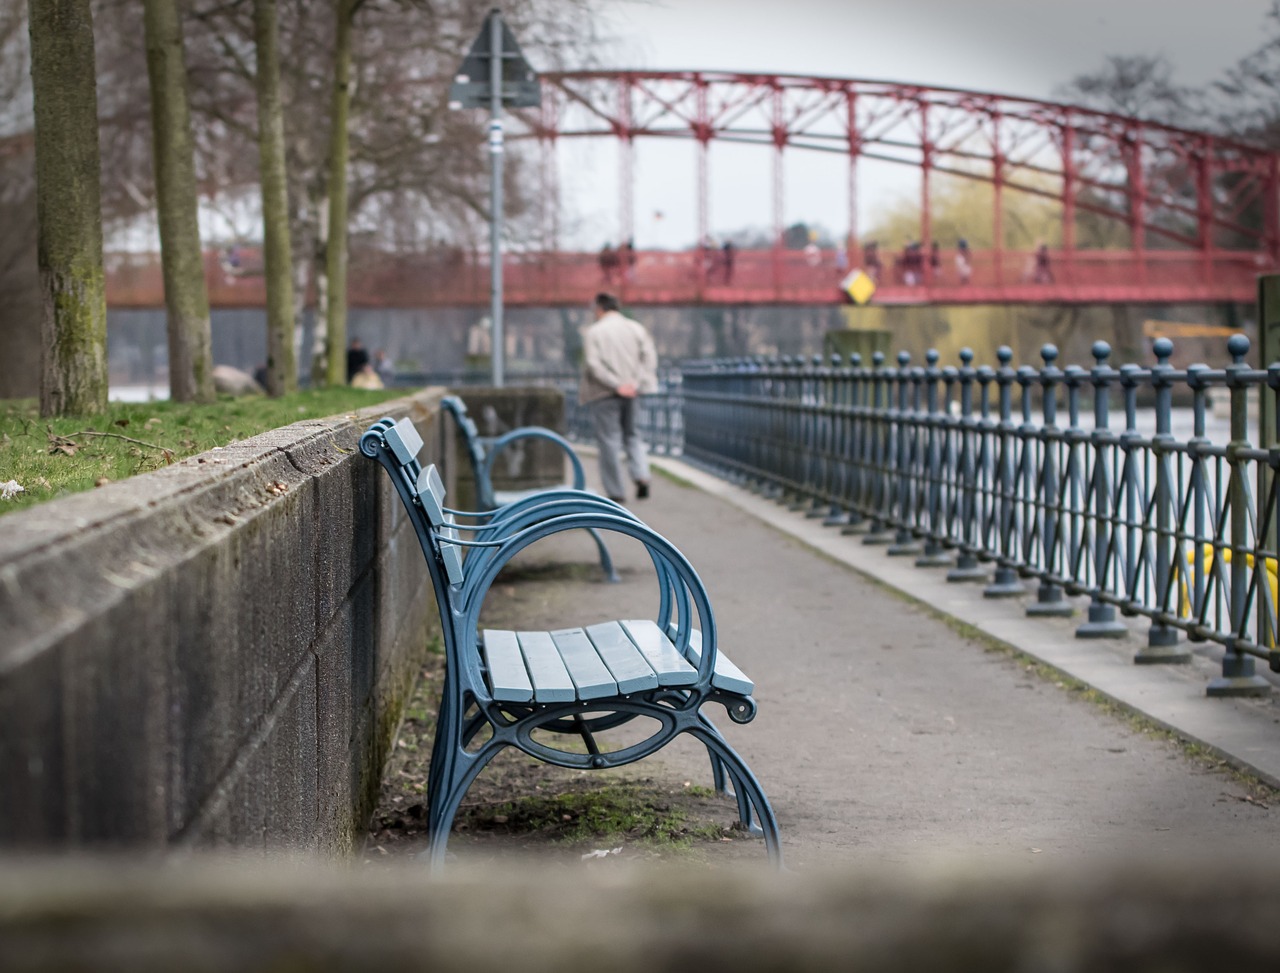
<point>858,286</point>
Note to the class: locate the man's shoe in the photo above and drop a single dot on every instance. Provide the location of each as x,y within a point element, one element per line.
<point>619,500</point>
<point>642,490</point>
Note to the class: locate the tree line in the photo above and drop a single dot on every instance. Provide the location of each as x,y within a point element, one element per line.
<point>301,123</point>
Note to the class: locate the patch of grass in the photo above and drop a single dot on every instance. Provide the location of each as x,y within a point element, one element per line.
<point>613,811</point>
<point>667,475</point>
<point>50,458</point>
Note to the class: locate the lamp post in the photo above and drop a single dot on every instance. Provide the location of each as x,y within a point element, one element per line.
<point>493,74</point>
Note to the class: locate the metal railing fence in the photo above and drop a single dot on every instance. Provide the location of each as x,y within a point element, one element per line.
<point>1072,477</point>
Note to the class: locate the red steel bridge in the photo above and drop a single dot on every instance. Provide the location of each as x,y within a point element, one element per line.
<point>1148,212</point>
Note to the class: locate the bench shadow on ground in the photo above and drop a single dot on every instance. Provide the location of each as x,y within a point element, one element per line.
<point>522,808</point>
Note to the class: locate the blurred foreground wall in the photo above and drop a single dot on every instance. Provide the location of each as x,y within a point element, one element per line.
<point>1136,917</point>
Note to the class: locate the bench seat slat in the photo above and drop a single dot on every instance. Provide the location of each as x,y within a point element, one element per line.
<point>672,668</point>
<point>508,678</point>
<point>628,665</point>
<point>550,678</point>
<point>726,676</point>
<point>589,673</point>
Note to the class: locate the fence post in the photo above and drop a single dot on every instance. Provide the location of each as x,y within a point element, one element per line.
<point>1238,675</point>
<point>841,443</point>
<point>968,568</point>
<point>774,424</point>
<point>859,444</point>
<point>1050,597</point>
<point>1271,517</point>
<point>1162,639</point>
<point>935,553</point>
<point>1006,582</point>
<point>880,442</point>
<point>823,448</point>
<point>904,541</point>
<point>1102,623</point>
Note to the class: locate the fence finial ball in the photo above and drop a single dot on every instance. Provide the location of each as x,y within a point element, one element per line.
<point>855,359</point>
<point>877,358</point>
<point>1163,348</point>
<point>1005,354</point>
<point>904,358</point>
<point>966,356</point>
<point>1101,351</point>
<point>1049,353</point>
<point>1238,345</point>
<point>931,357</point>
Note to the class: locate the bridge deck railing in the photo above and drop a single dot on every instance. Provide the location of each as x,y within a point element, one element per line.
<point>455,277</point>
<point>1071,477</point>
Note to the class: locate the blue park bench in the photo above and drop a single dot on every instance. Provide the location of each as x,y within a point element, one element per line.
<point>483,451</point>
<point>533,689</point>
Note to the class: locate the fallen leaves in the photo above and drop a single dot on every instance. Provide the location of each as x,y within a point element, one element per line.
<point>62,444</point>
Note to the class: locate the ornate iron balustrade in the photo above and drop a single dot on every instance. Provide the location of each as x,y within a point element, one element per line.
<point>1070,477</point>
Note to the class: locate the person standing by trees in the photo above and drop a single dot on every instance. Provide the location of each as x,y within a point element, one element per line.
<point>619,362</point>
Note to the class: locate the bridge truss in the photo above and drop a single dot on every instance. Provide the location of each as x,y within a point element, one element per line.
<point>1149,212</point>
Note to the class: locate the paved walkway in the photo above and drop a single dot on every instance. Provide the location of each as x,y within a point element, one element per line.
<point>885,735</point>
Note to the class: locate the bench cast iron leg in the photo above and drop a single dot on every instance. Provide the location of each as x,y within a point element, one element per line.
<point>746,784</point>
<point>443,806</point>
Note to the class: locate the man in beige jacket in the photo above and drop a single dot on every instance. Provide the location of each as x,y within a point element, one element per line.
<point>619,362</point>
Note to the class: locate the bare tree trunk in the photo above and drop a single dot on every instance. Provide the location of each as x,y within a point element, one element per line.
<point>73,321</point>
<point>320,335</point>
<point>185,295</point>
<point>335,254</point>
<point>282,370</point>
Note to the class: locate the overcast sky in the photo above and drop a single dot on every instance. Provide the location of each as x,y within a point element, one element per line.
<point>1013,47</point>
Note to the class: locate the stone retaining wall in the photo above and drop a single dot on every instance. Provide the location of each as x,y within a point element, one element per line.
<point>214,654</point>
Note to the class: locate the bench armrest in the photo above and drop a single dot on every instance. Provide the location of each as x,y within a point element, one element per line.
<point>680,586</point>
<point>493,446</point>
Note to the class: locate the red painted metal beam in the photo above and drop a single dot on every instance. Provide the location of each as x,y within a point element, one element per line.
<point>1121,169</point>
<point>451,278</point>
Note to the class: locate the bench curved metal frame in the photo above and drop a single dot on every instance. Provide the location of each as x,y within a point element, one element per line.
<point>672,695</point>
<point>483,451</point>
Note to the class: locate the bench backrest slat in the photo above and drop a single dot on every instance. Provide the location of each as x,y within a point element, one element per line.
<point>426,487</point>
<point>471,433</point>
<point>404,441</point>
<point>430,490</point>
<point>450,554</point>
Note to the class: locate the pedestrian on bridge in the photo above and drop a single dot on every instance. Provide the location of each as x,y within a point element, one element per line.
<point>964,262</point>
<point>619,362</point>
